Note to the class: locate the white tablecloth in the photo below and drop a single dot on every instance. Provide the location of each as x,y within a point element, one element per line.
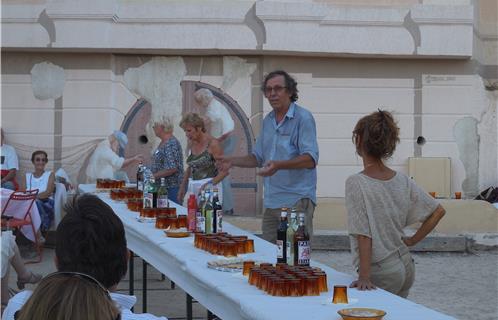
<point>229,295</point>
<point>17,210</point>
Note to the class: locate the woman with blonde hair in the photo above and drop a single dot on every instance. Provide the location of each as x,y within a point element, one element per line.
<point>167,159</point>
<point>69,295</point>
<point>204,149</point>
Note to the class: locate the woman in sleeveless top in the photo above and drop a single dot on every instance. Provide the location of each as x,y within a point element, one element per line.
<point>44,181</point>
<point>203,151</point>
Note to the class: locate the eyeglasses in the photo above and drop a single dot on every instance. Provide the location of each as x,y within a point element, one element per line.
<point>277,89</point>
<point>41,159</point>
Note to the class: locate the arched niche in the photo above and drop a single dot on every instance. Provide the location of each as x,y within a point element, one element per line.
<point>243,180</point>
<point>244,183</point>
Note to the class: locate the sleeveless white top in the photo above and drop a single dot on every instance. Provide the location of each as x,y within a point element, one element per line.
<point>39,183</point>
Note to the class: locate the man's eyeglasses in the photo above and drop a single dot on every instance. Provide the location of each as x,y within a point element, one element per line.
<point>277,89</point>
<point>41,159</point>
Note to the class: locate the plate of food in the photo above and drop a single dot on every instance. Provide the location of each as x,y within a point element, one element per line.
<point>361,314</point>
<point>227,265</point>
<point>177,233</point>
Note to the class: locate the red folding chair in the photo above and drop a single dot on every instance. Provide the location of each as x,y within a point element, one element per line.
<point>19,205</point>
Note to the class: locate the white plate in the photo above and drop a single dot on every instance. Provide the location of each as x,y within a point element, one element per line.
<point>226,265</point>
<point>145,220</point>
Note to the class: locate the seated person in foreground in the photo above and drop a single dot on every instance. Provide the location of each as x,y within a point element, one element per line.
<point>90,239</point>
<point>69,295</point>
<point>12,256</point>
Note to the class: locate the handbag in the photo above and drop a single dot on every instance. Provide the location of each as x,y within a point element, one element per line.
<point>490,195</point>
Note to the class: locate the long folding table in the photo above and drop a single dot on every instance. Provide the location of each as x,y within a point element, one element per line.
<point>229,296</point>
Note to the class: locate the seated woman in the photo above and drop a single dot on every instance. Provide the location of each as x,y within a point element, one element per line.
<point>69,295</point>
<point>201,161</point>
<point>44,181</point>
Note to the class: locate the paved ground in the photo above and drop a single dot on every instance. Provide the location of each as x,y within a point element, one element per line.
<point>461,285</point>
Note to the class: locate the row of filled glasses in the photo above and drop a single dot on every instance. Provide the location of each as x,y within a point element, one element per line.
<point>224,244</point>
<point>171,222</point>
<point>110,184</point>
<point>135,204</point>
<point>126,194</point>
<point>156,212</point>
<point>283,280</point>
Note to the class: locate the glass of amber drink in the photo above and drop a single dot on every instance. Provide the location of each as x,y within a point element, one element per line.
<point>246,266</point>
<point>340,294</point>
<point>182,221</point>
<point>249,246</point>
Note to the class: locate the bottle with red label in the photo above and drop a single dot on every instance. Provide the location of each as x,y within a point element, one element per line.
<point>302,245</point>
<point>191,211</point>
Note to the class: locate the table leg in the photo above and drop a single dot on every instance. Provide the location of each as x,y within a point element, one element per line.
<point>189,307</point>
<point>131,275</point>
<point>210,315</point>
<point>144,286</point>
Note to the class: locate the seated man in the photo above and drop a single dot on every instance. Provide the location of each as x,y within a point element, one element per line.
<point>10,165</point>
<point>90,239</point>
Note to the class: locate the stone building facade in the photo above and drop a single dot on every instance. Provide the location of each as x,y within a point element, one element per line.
<point>74,71</point>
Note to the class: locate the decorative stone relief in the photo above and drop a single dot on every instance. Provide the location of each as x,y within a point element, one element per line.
<point>488,138</point>
<point>47,81</point>
<point>235,68</point>
<point>467,140</point>
<point>158,81</point>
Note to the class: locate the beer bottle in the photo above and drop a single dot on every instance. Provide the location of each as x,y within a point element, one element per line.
<point>208,213</point>
<point>282,237</point>
<point>162,195</point>
<point>149,190</point>
<point>217,212</point>
<point>291,230</point>
<point>191,213</point>
<point>200,223</point>
<point>302,246</point>
<point>140,176</point>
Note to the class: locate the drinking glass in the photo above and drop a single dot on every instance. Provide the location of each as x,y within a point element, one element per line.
<point>182,221</point>
<point>162,222</point>
<point>322,281</point>
<point>231,249</point>
<point>340,294</point>
<point>312,288</point>
<point>246,266</point>
<point>249,246</point>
